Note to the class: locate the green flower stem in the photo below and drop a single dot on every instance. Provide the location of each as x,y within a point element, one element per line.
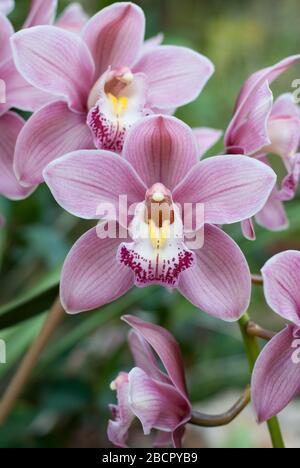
<point>253,351</point>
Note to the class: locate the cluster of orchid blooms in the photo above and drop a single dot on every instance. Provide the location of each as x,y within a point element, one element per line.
<point>102,100</point>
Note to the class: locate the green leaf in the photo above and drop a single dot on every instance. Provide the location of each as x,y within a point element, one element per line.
<point>32,303</point>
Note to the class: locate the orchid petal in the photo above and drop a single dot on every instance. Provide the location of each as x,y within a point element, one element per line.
<point>91,275</point>
<point>248,229</point>
<point>41,12</point>
<point>115,36</point>
<point>220,284</point>
<point>6,6</point>
<point>273,215</point>
<point>84,180</point>
<point>281,277</point>
<point>55,61</point>
<point>276,377</point>
<point>232,188</point>
<point>73,18</point>
<point>48,134</point>
<point>6,31</point>
<point>161,149</point>
<point>176,75</point>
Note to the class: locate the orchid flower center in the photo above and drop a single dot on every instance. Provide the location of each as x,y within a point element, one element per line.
<point>157,254</point>
<point>115,103</point>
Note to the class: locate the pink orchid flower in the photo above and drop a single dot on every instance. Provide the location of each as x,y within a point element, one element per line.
<point>158,399</point>
<point>260,127</point>
<point>159,166</point>
<point>276,377</point>
<point>103,82</point>
<point>19,93</point>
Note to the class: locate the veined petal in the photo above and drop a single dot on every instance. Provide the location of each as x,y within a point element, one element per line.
<point>115,36</point>
<point>165,347</point>
<point>250,131</point>
<point>73,18</point>
<point>206,138</point>
<point>176,75</point>
<point>284,134</point>
<point>281,277</point>
<point>291,182</point>
<point>156,404</point>
<point>276,377</point>
<point>84,180</point>
<point>41,12</point>
<point>248,229</point>
<point>285,106</point>
<point>91,275</point>
<point>49,134</point>
<point>161,149</point>
<point>6,31</point>
<point>55,61</point>
<point>232,188</point>
<point>10,125</point>
<point>220,284</point>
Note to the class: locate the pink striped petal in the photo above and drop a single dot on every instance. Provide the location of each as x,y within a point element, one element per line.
<point>91,275</point>
<point>115,36</point>
<point>273,215</point>
<point>176,75</point>
<point>41,12</point>
<point>285,106</point>
<point>248,229</point>
<point>82,181</point>
<point>73,18</point>
<point>6,30</point>
<point>284,134</point>
<point>206,138</point>
<point>220,284</point>
<point>157,405</point>
<point>166,348</point>
<point>49,133</point>
<point>10,126</point>
<point>55,61</point>
<point>161,149</point>
<point>232,188</point>
<point>281,277</point>
<point>290,183</point>
<point>276,377</point>
<point>123,416</point>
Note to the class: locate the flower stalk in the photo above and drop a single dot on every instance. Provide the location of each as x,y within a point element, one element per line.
<point>253,351</point>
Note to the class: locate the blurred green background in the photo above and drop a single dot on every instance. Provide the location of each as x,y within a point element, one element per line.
<point>66,402</point>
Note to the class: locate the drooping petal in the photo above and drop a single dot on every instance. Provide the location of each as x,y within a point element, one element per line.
<point>41,12</point>
<point>273,215</point>
<point>161,149</point>
<point>276,377</point>
<point>6,30</point>
<point>281,277</point>
<point>73,18</point>
<point>91,275</point>
<point>232,188</point>
<point>176,75</point>
<point>123,416</point>
<point>6,6</point>
<point>220,284</point>
<point>115,36</point>
<point>156,404</point>
<point>250,131</point>
<point>83,181</point>
<point>10,126</point>
<point>206,139</point>
<point>49,134</point>
<point>144,357</point>
<point>165,346</point>
<point>290,183</point>
<point>284,134</point>
<point>55,61</point>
